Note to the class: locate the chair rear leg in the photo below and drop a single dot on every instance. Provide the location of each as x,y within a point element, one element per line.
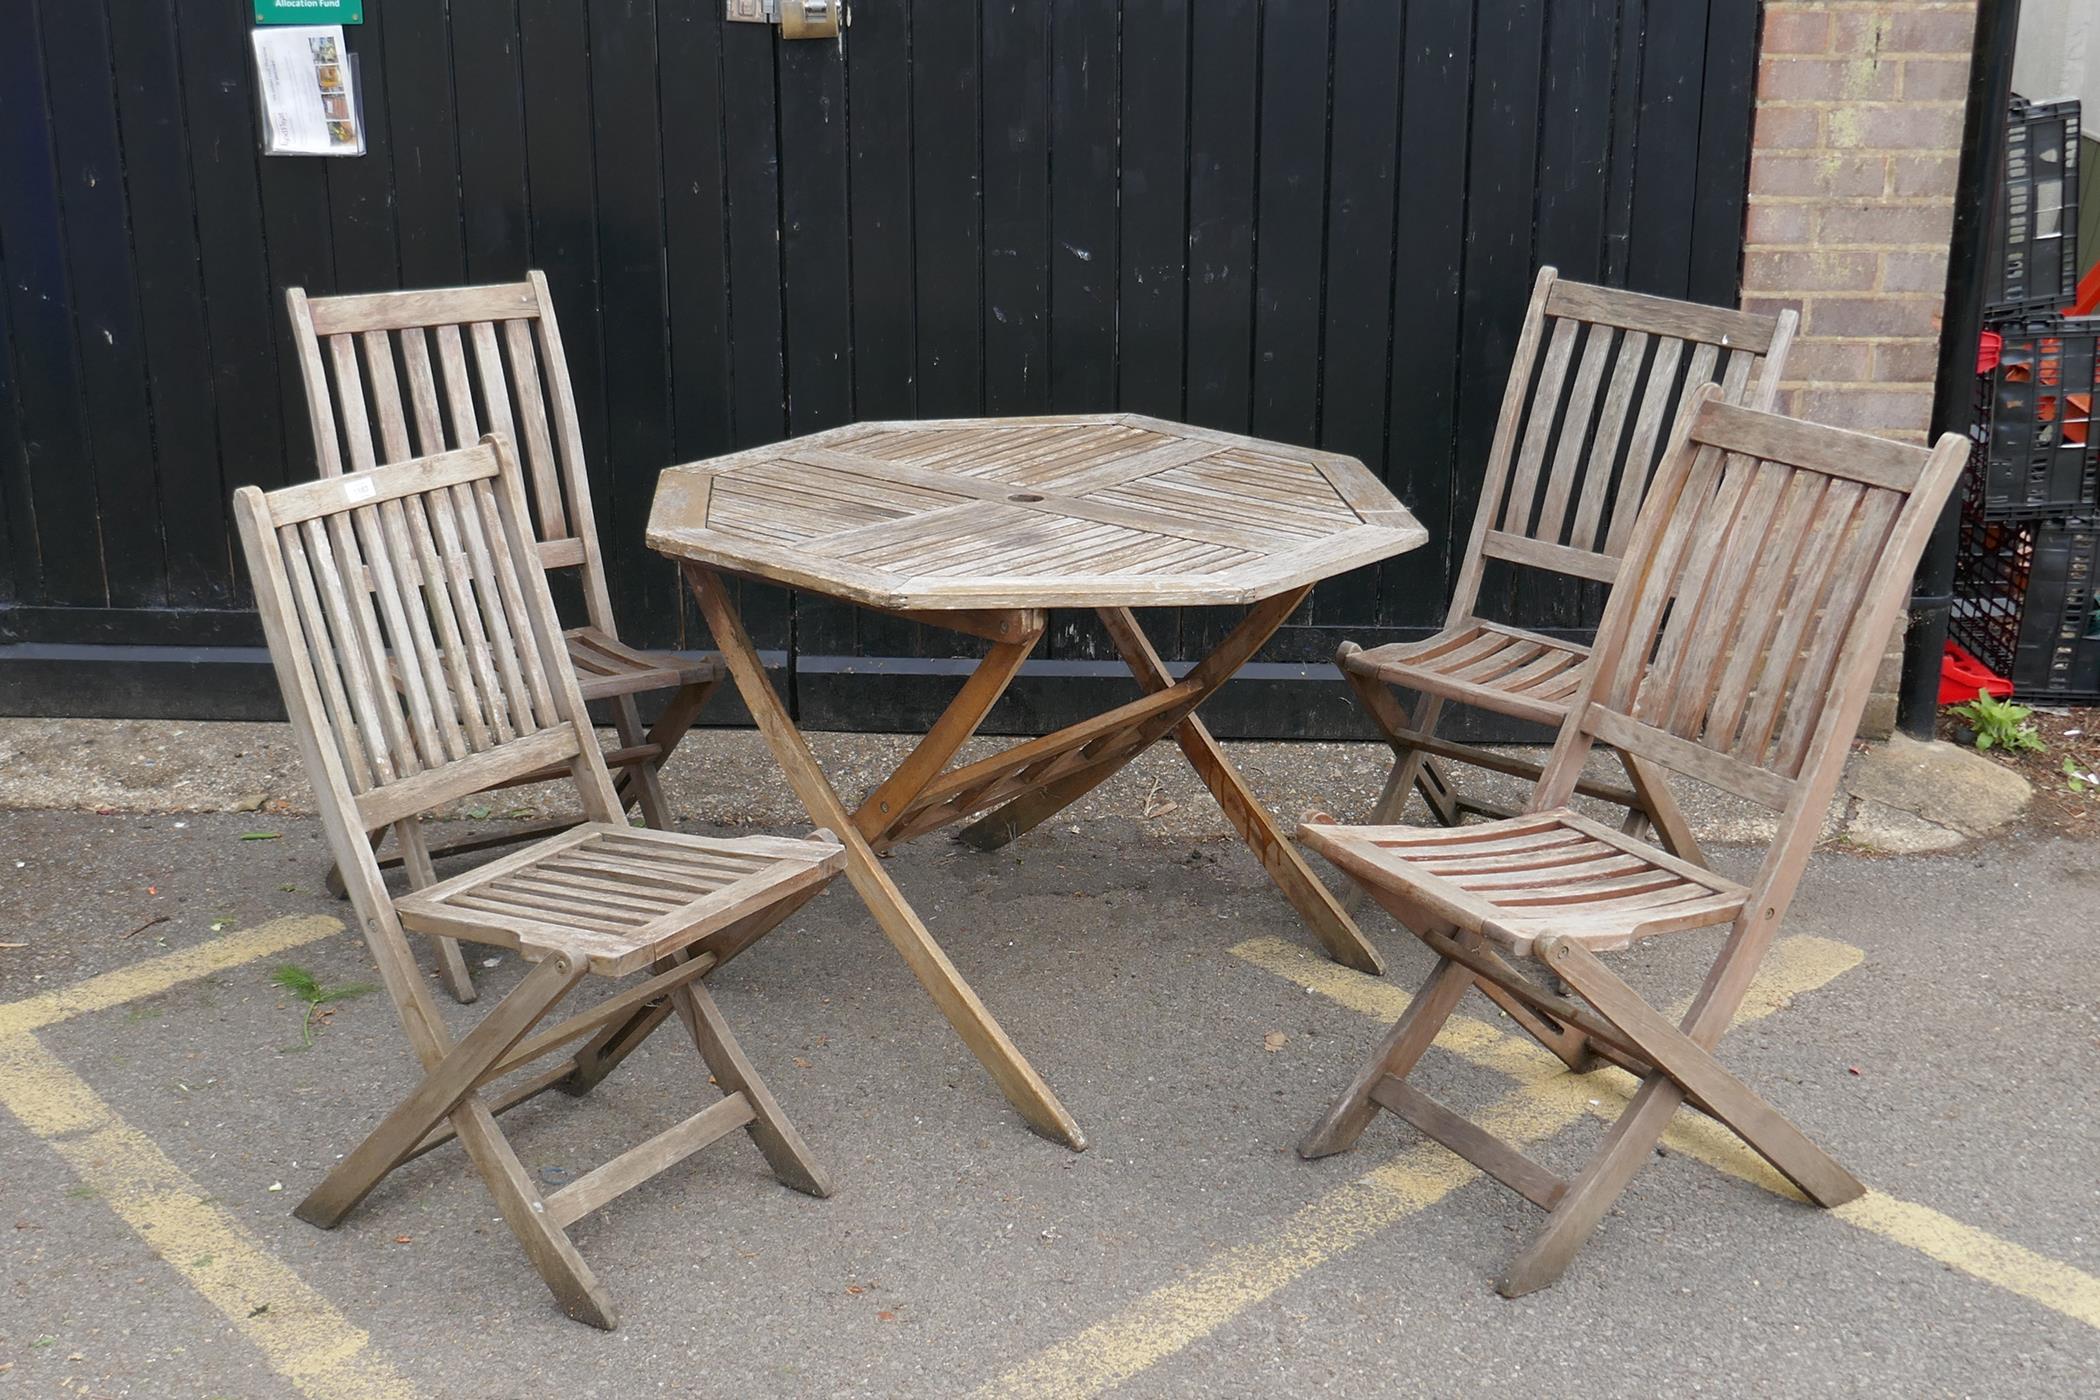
<point>680,713</point>
<point>769,1127</point>
<point>1403,1046</point>
<point>336,884</point>
<point>415,859</point>
<point>1412,768</point>
<point>643,785</point>
<point>1659,810</point>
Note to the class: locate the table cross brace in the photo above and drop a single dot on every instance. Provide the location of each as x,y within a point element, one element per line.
<point>1022,787</point>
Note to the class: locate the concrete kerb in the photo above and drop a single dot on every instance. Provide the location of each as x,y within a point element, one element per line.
<point>1901,796</point>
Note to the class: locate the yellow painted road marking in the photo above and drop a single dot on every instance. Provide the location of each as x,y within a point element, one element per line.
<point>2014,1268</point>
<point>1794,964</point>
<point>302,1337</point>
<point>1546,1099</point>
<point>154,975</point>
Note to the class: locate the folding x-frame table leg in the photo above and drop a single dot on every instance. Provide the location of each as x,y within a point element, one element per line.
<point>1337,932</point>
<point>1025,1089</point>
<point>1322,913</point>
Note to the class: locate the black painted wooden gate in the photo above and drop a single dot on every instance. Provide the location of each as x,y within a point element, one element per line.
<point>1316,220</point>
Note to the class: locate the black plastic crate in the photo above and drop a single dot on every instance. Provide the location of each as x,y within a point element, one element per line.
<point>2034,238</point>
<point>2040,452</point>
<point>2025,604</point>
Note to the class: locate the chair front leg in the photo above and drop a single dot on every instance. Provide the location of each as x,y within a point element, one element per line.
<point>1659,809</point>
<point>1683,1067</point>
<point>1397,1054</point>
<point>1626,1149</point>
<point>444,1088</point>
<point>769,1127</point>
<point>415,859</point>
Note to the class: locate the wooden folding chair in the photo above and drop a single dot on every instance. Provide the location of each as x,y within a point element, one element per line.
<point>419,372</point>
<point>1755,601</point>
<point>429,567</point>
<point>1599,378</point>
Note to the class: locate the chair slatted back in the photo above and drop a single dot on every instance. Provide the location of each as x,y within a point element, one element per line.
<point>1599,379</point>
<point>1757,599</point>
<point>415,638</point>
<point>394,375</point>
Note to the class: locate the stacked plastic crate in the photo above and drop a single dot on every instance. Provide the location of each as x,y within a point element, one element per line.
<point>2025,598</point>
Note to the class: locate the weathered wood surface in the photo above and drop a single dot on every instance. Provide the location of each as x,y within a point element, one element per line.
<point>1600,376</point>
<point>420,657</point>
<point>979,527</point>
<point>389,375</point>
<point>1760,583</point>
<point>1114,510</point>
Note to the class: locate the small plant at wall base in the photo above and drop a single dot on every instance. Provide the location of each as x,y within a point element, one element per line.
<point>1998,724</point>
<point>305,986</point>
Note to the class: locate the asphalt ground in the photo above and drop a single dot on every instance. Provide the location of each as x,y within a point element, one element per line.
<point>1931,1020</point>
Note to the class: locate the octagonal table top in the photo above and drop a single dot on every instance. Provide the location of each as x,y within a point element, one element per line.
<point>1100,510</point>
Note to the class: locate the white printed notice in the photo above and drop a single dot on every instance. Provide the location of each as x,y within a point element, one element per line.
<point>308,86</point>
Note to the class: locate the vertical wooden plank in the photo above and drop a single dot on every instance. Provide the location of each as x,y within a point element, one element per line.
<point>1499,263</point>
<point>878,82</point>
<point>749,95</point>
<point>423,123</point>
<point>1015,95</point>
<point>1429,240</point>
<point>299,241</point>
<point>1357,326</point>
<point>1085,76</point>
<point>696,231</point>
<point>1726,100</point>
<point>885,345</point>
<point>1224,97</point>
<point>1297,49</point>
<point>816,257</point>
<point>1153,235</point>
<point>172,314</point>
<point>98,240</point>
<point>1625,140</point>
<point>242,307</point>
<point>361,189</point>
<point>489,101</point>
<point>947,217</point>
<point>1666,154</point>
<point>20,573</point>
<point>631,284</point>
<point>560,166</point>
<point>1151,242</point>
<point>750,99</point>
<point>1575,115</point>
<point>705,374</point>
<point>814,253</point>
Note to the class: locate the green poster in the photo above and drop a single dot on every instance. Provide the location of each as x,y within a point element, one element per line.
<point>309,11</point>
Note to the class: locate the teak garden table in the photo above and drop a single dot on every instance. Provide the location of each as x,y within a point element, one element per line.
<point>979,526</point>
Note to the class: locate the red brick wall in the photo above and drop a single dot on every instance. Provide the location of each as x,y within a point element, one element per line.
<point>1859,118</point>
